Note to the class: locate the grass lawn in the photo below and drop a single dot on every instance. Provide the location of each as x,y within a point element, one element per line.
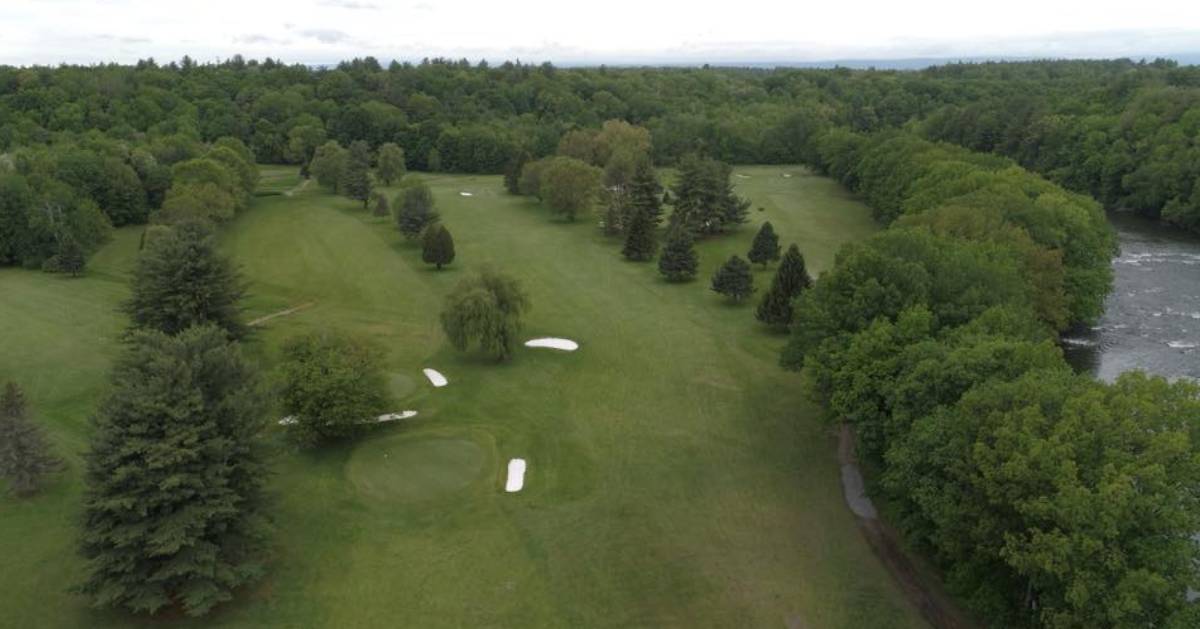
<point>677,477</point>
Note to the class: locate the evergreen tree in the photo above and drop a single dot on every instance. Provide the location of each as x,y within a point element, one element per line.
<point>766,245</point>
<point>641,242</point>
<point>775,309</point>
<point>512,171</point>
<point>705,201</point>
<point>381,206</point>
<point>391,166</point>
<point>792,277</point>
<point>355,178</point>
<point>70,257</point>
<point>25,458</point>
<point>437,246</point>
<point>414,209</point>
<point>734,279</point>
<point>172,512</point>
<point>678,262</point>
<point>180,280</point>
<point>644,191</point>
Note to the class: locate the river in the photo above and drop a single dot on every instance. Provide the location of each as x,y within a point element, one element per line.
<point>1152,317</point>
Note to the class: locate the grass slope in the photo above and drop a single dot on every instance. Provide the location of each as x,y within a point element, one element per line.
<point>676,475</point>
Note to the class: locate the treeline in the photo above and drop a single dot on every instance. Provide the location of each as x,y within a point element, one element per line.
<point>1048,499</point>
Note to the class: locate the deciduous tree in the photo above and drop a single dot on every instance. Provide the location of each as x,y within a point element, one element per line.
<point>437,246</point>
<point>486,311</point>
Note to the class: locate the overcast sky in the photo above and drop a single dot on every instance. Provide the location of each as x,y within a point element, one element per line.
<point>611,31</point>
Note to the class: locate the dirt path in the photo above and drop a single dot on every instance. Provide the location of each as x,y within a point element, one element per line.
<point>934,604</point>
<point>282,313</point>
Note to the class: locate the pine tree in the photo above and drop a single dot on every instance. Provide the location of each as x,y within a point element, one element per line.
<point>355,178</point>
<point>734,279</point>
<point>25,458</point>
<point>180,280</point>
<point>414,209</point>
<point>437,246</point>
<point>70,257</point>
<point>678,262</point>
<point>766,245</point>
<point>172,512</point>
<point>640,240</point>
<point>791,279</point>
<point>644,192</point>
<point>381,207</point>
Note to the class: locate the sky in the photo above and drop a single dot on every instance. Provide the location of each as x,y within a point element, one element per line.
<point>605,31</point>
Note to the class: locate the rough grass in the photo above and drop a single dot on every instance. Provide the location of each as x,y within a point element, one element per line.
<point>677,477</point>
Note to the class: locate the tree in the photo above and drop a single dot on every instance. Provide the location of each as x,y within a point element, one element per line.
<point>25,458</point>
<point>734,279</point>
<point>569,186</point>
<point>355,179</point>
<point>678,262</point>
<point>179,280</point>
<point>512,171</point>
<point>414,209</point>
<point>382,207</point>
<point>434,161</point>
<point>704,199</point>
<point>333,386</point>
<point>766,246</point>
<point>790,280</point>
<point>327,164</point>
<point>173,506</point>
<point>644,191</point>
<point>485,310</point>
<point>437,246</point>
<point>641,239</point>
<point>391,165</point>
<point>70,257</point>
<point>775,309</point>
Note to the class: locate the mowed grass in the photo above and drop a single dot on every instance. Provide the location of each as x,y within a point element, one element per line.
<point>677,477</point>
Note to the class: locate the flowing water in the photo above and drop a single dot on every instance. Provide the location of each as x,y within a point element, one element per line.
<point>1152,317</point>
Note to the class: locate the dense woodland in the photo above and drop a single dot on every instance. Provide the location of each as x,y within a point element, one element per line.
<point>1046,498</point>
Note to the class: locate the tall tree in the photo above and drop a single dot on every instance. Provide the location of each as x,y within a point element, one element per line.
<point>333,386</point>
<point>437,246</point>
<point>790,280</point>
<point>180,280</point>
<point>381,206</point>
<point>569,186</point>
<point>327,164</point>
<point>70,258</point>
<point>734,279</point>
<point>512,171</point>
<point>678,262</point>
<point>414,209</point>
<point>485,310</point>
<point>645,192</point>
<point>25,457</point>
<point>355,180</point>
<point>792,276</point>
<point>641,239</point>
<point>765,247</point>
<point>390,167</point>
<point>173,509</point>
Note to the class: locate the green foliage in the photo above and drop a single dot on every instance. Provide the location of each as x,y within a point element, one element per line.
<point>437,246</point>
<point>512,172</point>
<point>765,247</point>
<point>181,281</point>
<point>70,258</point>
<point>173,510</point>
<point>569,186</point>
<point>679,262</point>
<point>645,191</point>
<point>790,280</point>
<point>333,387</point>
<point>414,209</point>
<point>734,279</point>
<point>485,310</point>
<point>25,456</point>
<point>704,199</point>
<point>391,165</point>
<point>354,181</point>
<point>328,162</point>
<point>641,239</point>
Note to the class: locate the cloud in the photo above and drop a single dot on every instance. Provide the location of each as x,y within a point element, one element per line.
<point>326,35</point>
<point>256,38</point>
<point>123,40</point>
<point>350,4</point>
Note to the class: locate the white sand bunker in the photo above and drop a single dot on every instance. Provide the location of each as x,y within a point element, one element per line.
<point>466,194</point>
<point>787,174</point>
<point>386,417</point>
<point>516,476</point>
<point>741,176</point>
<point>435,377</point>
<point>567,345</point>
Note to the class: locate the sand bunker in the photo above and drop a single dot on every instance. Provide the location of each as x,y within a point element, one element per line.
<point>466,194</point>
<point>741,176</point>
<point>435,377</point>
<point>787,174</point>
<point>567,345</point>
<point>516,476</point>
<point>386,417</point>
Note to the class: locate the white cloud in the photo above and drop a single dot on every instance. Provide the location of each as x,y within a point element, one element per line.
<point>613,31</point>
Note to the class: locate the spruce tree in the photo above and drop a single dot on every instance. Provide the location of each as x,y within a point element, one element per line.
<point>180,280</point>
<point>678,262</point>
<point>766,245</point>
<point>414,209</point>
<point>355,178</point>
<point>775,309</point>
<point>437,246</point>
<point>640,240</point>
<point>644,192</point>
<point>25,458</point>
<point>791,279</point>
<point>792,275</point>
<point>734,279</point>
<point>381,206</point>
<point>173,507</point>
<point>70,257</point>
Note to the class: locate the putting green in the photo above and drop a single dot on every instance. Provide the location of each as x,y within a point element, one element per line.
<point>404,468</point>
